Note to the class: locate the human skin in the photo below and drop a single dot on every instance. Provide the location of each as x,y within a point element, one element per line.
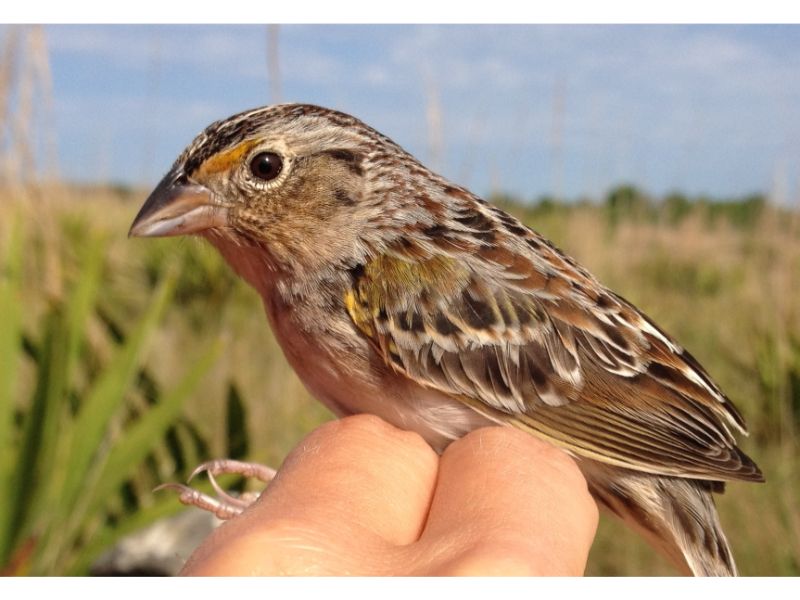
<point>360,497</point>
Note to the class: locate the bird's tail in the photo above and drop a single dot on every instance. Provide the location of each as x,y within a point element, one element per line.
<point>677,516</point>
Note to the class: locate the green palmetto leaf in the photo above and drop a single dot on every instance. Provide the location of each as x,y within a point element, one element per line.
<point>87,435</point>
<point>141,438</point>
<point>106,396</point>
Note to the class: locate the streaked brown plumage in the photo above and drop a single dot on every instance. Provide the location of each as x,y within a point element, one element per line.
<point>393,291</point>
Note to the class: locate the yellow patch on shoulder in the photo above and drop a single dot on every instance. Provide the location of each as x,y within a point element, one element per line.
<point>389,282</point>
<point>358,313</point>
<point>225,160</point>
<point>389,278</point>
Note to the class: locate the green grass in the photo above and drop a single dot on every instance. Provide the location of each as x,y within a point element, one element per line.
<point>124,363</point>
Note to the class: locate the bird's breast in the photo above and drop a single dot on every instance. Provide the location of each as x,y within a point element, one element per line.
<point>341,370</point>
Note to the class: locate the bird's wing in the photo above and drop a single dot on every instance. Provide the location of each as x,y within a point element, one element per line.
<point>523,334</point>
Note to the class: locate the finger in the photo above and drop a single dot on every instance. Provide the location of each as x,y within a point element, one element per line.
<point>508,503</point>
<point>359,471</point>
<point>356,483</point>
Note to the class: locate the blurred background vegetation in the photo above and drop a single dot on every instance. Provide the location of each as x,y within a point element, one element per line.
<point>104,340</point>
<point>125,363</point>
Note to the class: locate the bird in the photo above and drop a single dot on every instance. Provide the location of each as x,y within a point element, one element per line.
<point>394,291</point>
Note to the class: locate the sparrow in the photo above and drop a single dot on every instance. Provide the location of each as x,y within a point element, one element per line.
<point>396,292</point>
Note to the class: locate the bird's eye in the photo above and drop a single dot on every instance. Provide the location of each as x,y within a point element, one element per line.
<point>266,165</point>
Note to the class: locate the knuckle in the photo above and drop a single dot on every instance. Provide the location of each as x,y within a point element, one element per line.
<point>366,422</point>
<point>527,452</point>
<point>375,428</point>
<point>367,433</point>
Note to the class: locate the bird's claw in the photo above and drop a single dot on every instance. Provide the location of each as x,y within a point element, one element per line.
<point>222,466</point>
<point>224,506</point>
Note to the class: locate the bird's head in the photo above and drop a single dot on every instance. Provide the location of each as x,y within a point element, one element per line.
<point>303,185</point>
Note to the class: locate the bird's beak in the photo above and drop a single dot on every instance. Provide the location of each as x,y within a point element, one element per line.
<point>178,207</point>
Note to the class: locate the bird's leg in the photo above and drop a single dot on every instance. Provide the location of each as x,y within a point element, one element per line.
<point>225,466</point>
<point>224,506</point>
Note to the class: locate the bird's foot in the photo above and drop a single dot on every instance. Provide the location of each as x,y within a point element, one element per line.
<point>224,506</point>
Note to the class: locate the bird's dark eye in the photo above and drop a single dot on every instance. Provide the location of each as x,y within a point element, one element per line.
<point>266,165</point>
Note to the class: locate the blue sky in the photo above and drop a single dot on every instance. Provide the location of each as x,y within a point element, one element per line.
<point>525,109</point>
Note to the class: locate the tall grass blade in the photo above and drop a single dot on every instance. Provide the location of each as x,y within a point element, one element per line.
<point>39,427</point>
<point>10,358</point>
<point>53,467</point>
<point>83,299</point>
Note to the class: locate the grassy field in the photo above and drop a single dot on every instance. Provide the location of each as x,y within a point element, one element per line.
<point>728,287</point>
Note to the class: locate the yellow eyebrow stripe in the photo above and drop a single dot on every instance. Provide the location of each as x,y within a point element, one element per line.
<point>225,160</point>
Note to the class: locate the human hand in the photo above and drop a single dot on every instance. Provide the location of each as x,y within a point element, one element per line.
<point>360,497</point>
